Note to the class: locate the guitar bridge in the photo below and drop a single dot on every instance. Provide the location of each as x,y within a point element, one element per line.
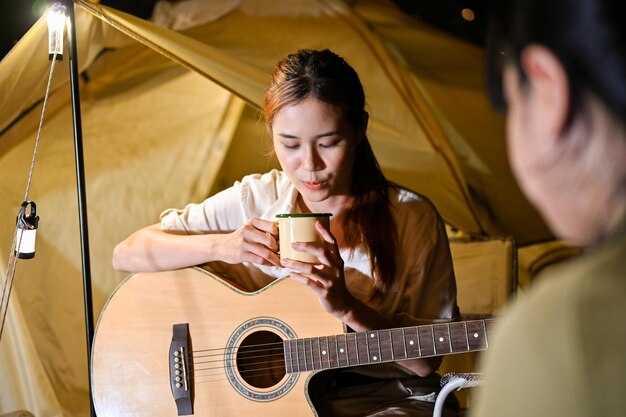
<point>180,371</point>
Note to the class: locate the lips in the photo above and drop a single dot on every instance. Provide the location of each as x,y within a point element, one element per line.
<point>314,185</point>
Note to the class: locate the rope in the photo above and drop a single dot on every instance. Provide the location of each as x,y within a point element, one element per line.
<point>7,284</point>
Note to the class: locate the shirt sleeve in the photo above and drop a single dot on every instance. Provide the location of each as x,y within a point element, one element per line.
<point>256,195</point>
<point>221,212</point>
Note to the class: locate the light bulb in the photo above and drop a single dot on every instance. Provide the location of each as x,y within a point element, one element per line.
<point>56,24</point>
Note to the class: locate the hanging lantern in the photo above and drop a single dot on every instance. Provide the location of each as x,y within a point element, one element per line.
<point>27,222</point>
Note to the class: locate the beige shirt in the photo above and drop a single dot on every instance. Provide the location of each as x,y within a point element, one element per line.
<point>562,350</point>
<point>424,289</point>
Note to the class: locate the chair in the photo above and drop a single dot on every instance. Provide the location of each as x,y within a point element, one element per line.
<point>453,382</point>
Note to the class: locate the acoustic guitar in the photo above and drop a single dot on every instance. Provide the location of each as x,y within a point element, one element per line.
<point>188,342</point>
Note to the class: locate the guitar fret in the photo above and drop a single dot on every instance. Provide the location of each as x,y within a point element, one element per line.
<point>477,340</point>
<point>297,357</point>
<point>315,353</point>
<point>385,343</point>
<point>458,337</point>
<point>419,343</point>
<point>466,336</point>
<point>441,338</point>
<point>426,341</point>
<point>352,345</point>
<point>301,354</point>
<point>398,345</point>
<point>373,354</point>
<point>319,349</point>
<point>308,352</point>
<point>490,323</point>
<point>294,357</point>
<point>332,351</point>
<point>287,353</point>
<point>412,344</point>
<point>432,332</point>
<point>308,355</point>
<point>341,352</point>
<point>345,342</point>
<point>312,352</point>
<point>406,356</point>
<point>485,332</point>
<point>361,348</point>
<point>324,353</point>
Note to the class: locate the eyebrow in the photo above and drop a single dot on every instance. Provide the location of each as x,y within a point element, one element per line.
<point>321,135</point>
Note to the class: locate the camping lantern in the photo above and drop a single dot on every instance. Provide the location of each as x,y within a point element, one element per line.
<point>56,24</point>
<point>27,223</point>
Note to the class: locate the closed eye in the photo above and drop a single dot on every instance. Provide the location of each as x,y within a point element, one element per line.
<point>330,144</point>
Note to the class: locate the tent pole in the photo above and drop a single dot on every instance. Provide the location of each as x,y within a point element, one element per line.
<point>82,196</point>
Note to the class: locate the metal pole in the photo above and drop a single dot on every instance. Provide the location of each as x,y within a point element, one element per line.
<point>80,182</point>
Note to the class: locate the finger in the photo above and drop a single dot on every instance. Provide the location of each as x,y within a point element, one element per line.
<point>263,252</point>
<point>299,267</point>
<point>264,225</point>
<point>321,274</point>
<point>325,233</point>
<point>315,285</point>
<point>327,254</point>
<point>312,248</point>
<point>254,235</point>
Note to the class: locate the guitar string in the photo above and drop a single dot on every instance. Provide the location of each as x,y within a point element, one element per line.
<point>267,349</point>
<point>260,367</point>
<point>251,369</point>
<point>261,370</point>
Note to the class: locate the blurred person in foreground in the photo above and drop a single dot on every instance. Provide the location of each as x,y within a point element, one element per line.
<point>559,68</point>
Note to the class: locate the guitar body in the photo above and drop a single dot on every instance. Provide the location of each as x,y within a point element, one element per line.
<point>130,355</point>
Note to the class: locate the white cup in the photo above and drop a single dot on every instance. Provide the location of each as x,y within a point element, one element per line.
<point>299,227</point>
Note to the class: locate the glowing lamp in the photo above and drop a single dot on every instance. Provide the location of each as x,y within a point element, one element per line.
<point>27,222</point>
<point>56,24</point>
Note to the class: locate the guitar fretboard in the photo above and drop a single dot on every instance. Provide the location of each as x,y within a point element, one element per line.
<point>389,345</point>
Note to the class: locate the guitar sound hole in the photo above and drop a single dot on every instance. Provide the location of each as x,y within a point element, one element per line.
<point>260,359</point>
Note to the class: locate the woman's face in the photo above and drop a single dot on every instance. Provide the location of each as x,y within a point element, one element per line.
<point>315,147</point>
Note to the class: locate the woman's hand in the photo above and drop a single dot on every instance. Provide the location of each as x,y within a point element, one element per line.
<point>326,279</point>
<point>255,242</point>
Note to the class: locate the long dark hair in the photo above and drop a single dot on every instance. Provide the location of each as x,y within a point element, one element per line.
<point>327,77</point>
<point>587,36</point>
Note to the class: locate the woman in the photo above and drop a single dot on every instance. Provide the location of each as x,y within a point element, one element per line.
<point>385,261</point>
<point>560,352</point>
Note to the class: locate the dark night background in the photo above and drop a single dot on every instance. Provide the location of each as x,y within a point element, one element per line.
<point>16,16</point>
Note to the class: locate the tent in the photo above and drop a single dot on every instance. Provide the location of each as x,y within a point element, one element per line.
<point>170,115</point>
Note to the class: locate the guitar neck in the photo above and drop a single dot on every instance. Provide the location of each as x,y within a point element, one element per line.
<point>389,345</point>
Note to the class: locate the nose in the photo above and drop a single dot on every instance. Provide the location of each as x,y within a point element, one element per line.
<point>311,160</point>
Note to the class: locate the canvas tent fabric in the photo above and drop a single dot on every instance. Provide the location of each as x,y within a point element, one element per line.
<point>170,115</point>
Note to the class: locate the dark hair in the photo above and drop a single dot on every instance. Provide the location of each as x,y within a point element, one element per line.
<point>587,36</point>
<point>327,77</point>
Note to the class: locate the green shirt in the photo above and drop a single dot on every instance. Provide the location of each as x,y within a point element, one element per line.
<point>561,351</point>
